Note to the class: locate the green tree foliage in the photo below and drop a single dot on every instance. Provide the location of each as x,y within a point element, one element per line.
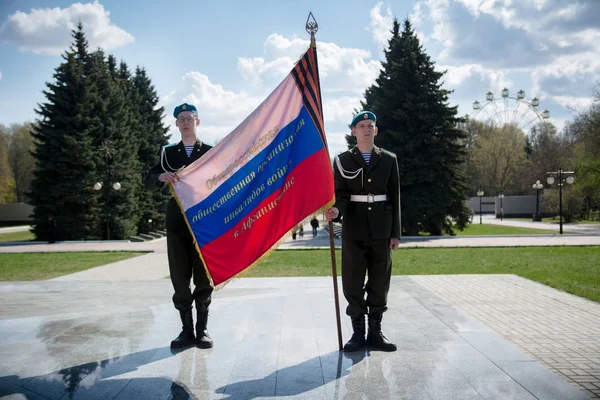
<point>92,129</point>
<point>65,168</point>
<point>7,182</point>
<point>416,122</point>
<point>116,144</point>
<point>499,156</point>
<point>153,205</point>
<point>20,148</point>
<point>585,130</point>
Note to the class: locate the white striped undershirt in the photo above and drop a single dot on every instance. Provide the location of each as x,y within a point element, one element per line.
<point>367,157</point>
<point>188,149</point>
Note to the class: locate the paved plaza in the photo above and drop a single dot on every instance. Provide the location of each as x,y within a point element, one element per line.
<point>104,334</point>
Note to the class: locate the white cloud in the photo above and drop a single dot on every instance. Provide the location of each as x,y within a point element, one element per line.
<point>547,47</point>
<point>212,100</point>
<point>340,109</point>
<point>381,25</point>
<point>510,34</point>
<point>166,100</point>
<point>48,30</point>
<point>343,69</point>
<point>573,102</point>
<point>336,141</point>
<point>569,75</point>
<point>0,75</point>
<point>416,18</point>
<point>457,75</point>
<point>253,69</point>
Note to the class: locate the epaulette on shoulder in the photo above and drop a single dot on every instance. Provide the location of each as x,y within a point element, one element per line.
<point>389,153</point>
<point>170,147</point>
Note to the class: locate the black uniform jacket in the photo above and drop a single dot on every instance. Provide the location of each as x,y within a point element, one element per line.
<point>368,221</point>
<point>173,159</point>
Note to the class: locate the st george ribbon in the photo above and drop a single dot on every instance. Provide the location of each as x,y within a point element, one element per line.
<point>269,174</point>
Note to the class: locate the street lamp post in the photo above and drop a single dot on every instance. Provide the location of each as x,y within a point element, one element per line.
<point>569,179</point>
<point>501,196</point>
<point>97,187</point>
<point>480,194</point>
<point>537,186</point>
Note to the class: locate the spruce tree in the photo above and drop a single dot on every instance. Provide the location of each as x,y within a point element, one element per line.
<point>115,147</point>
<point>153,205</point>
<point>417,124</point>
<point>62,180</point>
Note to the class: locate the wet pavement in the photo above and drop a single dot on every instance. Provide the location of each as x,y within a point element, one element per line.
<point>104,334</point>
<point>274,338</point>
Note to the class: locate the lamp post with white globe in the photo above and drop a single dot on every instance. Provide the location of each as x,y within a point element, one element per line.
<point>98,187</point>
<point>570,179</point>
<point>480,195</point>
<point>537,186</point>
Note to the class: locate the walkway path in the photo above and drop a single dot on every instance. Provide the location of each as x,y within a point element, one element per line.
<point>460,336</point>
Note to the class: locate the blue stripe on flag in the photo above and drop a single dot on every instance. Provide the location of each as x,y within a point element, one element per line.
<point>254,182</point>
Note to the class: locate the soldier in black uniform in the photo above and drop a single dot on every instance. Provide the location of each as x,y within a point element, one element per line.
<point>367,194</point>
<point>184,260</point>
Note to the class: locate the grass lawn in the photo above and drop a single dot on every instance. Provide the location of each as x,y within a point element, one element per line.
<point>572,269</point>
<point>556,221</point>
<point>23,236</point>
<point>490,229</point>
<point>42,266</point>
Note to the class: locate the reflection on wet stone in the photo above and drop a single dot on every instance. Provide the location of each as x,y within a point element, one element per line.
<point>273,338</point>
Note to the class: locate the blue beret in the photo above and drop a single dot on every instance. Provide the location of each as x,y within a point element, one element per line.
<point>362,116</point>
<point>184,107</point>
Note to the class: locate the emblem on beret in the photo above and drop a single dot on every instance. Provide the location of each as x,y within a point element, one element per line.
<point>366,116</point>
<point>183,107</point>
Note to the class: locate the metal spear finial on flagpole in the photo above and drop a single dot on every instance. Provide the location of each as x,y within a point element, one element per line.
<point>312,27</point>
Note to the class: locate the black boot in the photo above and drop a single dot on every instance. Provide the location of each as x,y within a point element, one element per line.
<point>376,339</point>
<point>202,339</point>
<point>357,341</point>
<point>186,337</point>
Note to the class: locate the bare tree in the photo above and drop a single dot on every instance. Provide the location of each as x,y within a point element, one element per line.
<point>7,183</point>
<point>22,163</point>
<point>498,155</point>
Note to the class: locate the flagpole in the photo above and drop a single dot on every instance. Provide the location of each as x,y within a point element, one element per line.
<point>335,285</point>
<point>312,27</point>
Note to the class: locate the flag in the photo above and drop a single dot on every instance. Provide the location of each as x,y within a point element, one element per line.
<point>270,173</point>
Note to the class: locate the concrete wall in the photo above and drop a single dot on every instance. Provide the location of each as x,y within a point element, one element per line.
<point>514,206</point>
<point>519,206</point>
<point>487,204</point>
<point>15,213</point>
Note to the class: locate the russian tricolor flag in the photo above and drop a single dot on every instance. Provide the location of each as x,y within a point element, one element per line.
<point>272,172</point>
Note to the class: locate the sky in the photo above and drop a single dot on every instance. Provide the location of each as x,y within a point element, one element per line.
<point>226,56</point>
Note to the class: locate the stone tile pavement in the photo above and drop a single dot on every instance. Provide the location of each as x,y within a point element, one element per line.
<point>274,338</point>
<point>560,330</point>
<point>455,332</point>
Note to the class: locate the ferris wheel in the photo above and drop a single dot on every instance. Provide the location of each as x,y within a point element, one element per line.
<point>510,109</point>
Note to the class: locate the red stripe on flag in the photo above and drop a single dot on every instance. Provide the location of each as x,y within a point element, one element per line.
<point>309,187</point>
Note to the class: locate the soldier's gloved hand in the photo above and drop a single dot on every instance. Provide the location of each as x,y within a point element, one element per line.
<point>332,214</point>
<point>168,177</point>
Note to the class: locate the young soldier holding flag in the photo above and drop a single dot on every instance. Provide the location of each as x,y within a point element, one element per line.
<point>367,193</point>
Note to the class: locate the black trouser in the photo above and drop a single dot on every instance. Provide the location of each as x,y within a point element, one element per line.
<point>358,257</point>
<point>185,262</point>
